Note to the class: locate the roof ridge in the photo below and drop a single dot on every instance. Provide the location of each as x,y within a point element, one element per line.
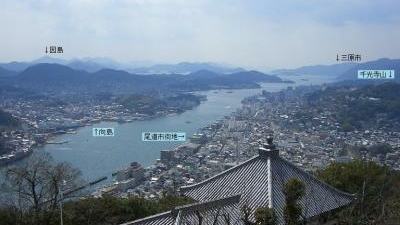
<point>269,174</point>
<point>187,187</point>
<point>178,218</point>
<point>221,174</point>
<point>155,216</point>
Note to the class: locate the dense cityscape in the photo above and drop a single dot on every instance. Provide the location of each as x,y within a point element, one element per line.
<point>43,118</point>
<point>312,145</point>
<point>201,112</point>
<point>308,132</point>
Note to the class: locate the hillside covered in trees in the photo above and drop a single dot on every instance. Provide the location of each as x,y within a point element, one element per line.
<point>7,120</point>
<point>357,107</point>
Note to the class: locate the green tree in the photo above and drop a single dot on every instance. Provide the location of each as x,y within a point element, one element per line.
<point>347,127</point>
<point>373,186</point>
<point>8,120</point>
<point>265,216</point>
<point>391,213</point>
<point>106,210</point>
<point>34,188</point>
<point>246,213</point>
<point>10,216</point>
<point>3,149</point>
<point>168,202</point>
<point>112,210</point>
<point>293,191</point>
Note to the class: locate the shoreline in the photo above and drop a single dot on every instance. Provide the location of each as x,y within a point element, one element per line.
<point>121,120</point>
<point>15,156</point>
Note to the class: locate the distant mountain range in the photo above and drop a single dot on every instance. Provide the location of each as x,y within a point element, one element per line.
<point>6,73</point>
<point>98,63</point>
<point>185,68</point>
<point>56,77</point>
<point>87,64</point>
<point>342,71</point>
<point>15,66</point>
<point>328,70</point>
<point>345,71</point>
<point>380,64</point>
<point>48,72</point>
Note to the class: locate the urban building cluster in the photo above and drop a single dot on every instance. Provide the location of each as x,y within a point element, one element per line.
<point>44,117</point>
<point>308,137</point>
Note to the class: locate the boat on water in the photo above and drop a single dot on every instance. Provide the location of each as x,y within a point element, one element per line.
<point>57,142</point>
<point>188,121</point>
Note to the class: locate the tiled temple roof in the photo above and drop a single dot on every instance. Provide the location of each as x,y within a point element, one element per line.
<point>257,182</point>
<point>260,182</point>
<point>189,214</point>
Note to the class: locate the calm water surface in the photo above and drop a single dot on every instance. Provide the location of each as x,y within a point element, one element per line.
<point>100,156</point>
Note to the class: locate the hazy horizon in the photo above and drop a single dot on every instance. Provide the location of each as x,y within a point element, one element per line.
<point>250,34</point>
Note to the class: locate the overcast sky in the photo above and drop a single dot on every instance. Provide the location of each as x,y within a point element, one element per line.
<point>249,33</point>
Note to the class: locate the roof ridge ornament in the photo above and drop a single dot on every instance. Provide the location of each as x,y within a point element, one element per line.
<point>270,145</point>
<point>268,149</point>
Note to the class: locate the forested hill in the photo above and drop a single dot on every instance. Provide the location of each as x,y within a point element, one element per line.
<point>355,107</point>
<point>7,120</point>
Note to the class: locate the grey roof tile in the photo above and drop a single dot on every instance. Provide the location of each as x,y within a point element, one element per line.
<point>188,214</point>
<point>257,182</point>
<point>260,182</point>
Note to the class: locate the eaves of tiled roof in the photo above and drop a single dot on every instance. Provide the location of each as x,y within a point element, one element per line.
<point>189,214</point>
<point>260,182</point>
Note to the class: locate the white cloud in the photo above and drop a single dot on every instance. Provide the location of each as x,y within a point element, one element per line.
<point>241,32</point>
